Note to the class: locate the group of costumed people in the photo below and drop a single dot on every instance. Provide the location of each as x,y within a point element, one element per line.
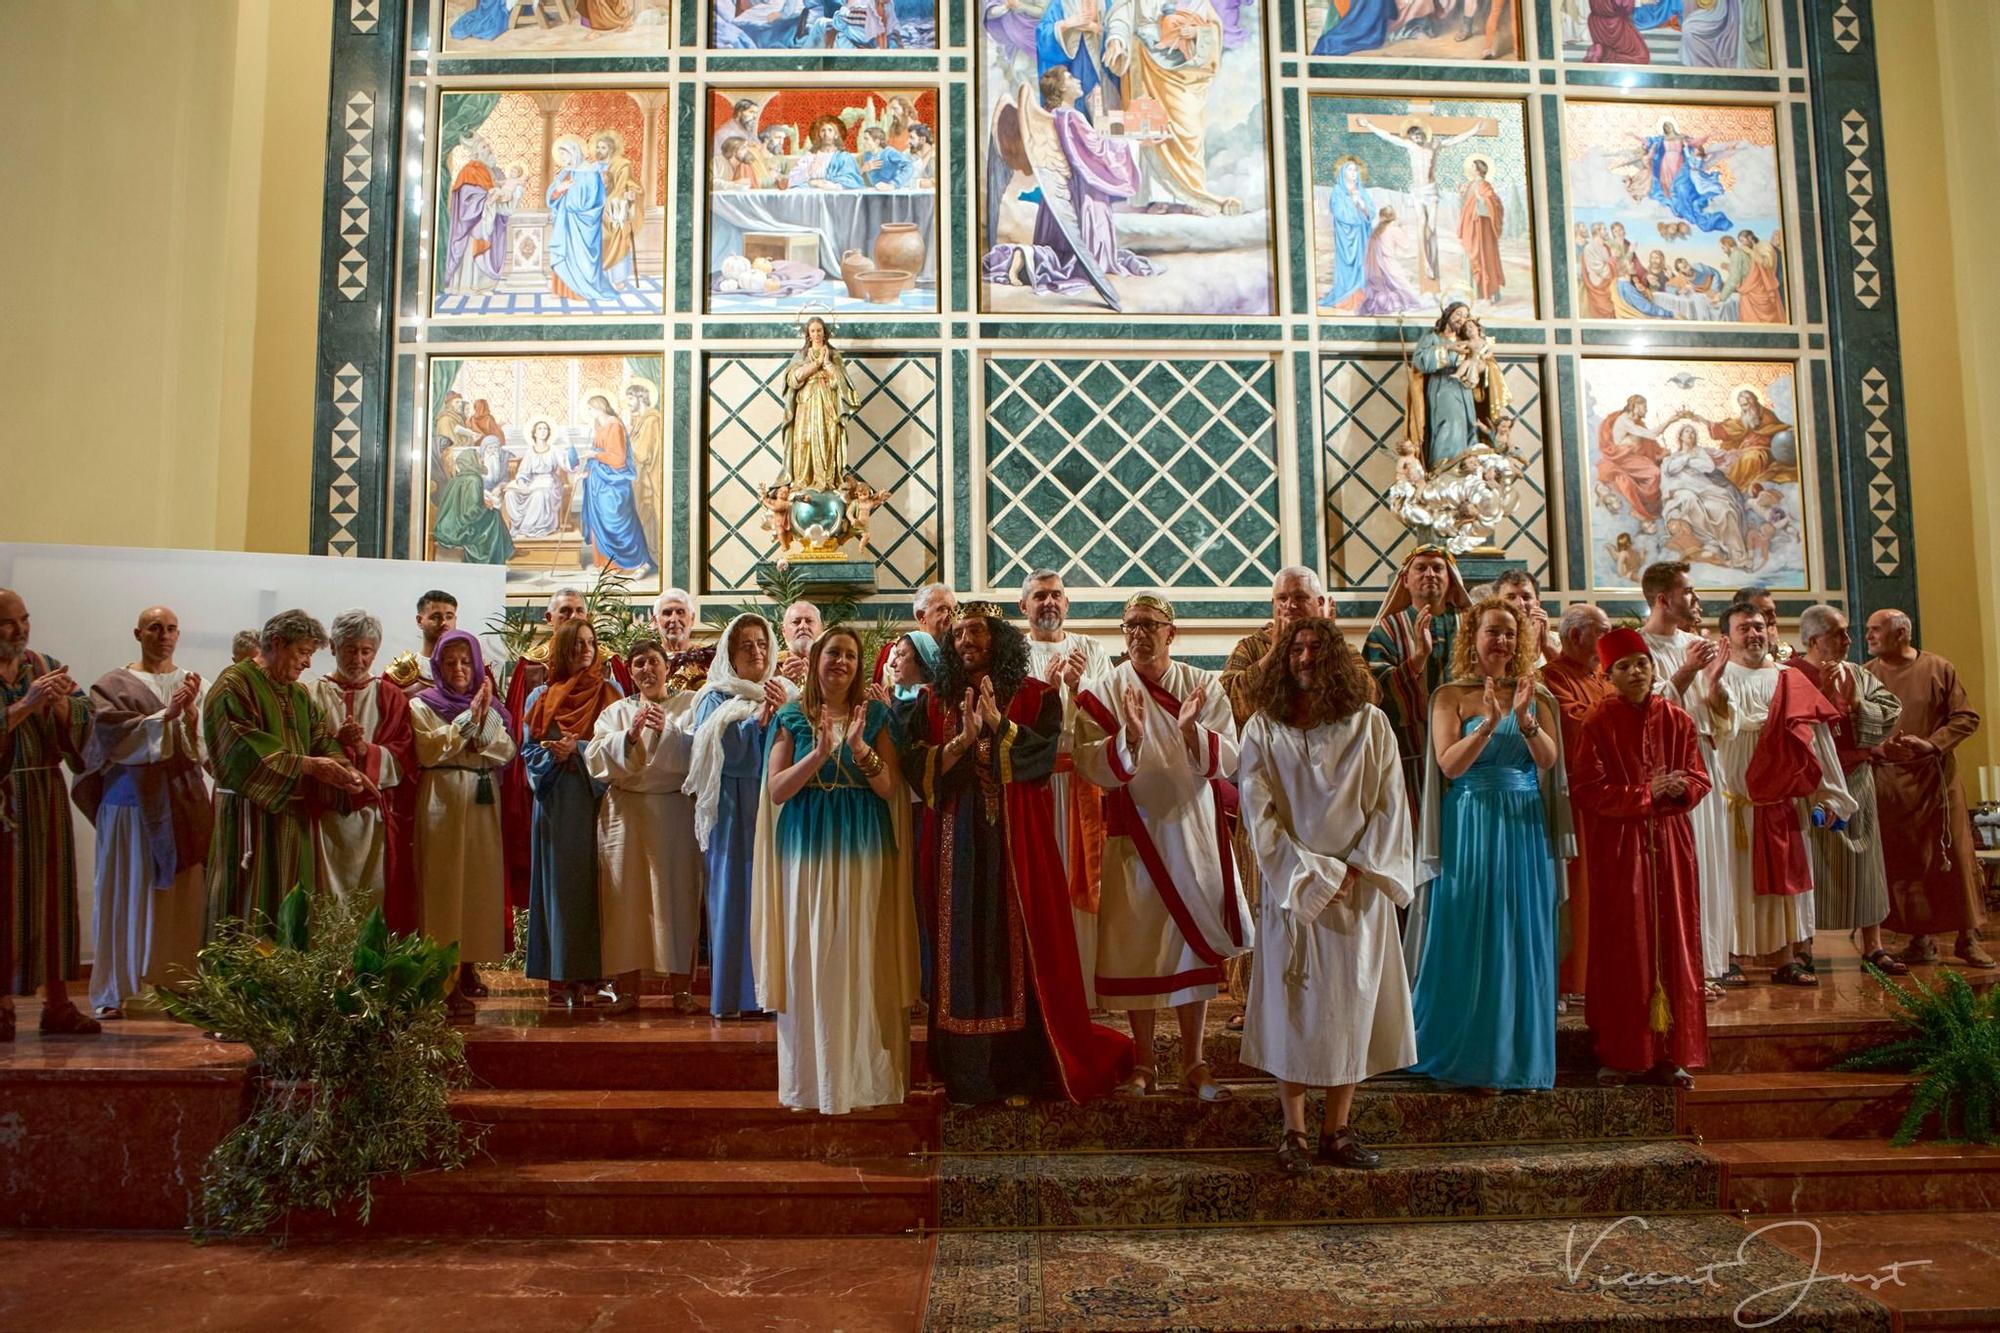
<point>1410,857</point>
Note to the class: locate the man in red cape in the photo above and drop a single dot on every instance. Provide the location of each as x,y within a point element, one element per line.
<point>1636,774</point>
<point>1007,1009</point>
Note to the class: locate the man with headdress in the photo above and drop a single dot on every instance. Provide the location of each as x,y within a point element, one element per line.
<point>1409,651</point>
<point>1007,1008</point>
<point>44,722</point>
<point>1637,774</point>
<point>141,785</point>
<point>1324,813</point>
<point>1158,736</point>
<point>476,223</point>
<point>278,768</point>
<point>1065,661</point>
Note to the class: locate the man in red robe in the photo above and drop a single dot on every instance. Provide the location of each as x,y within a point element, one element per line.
<point>1573,677</point>
<point>1480,219</point>
<point>1008,1017</point>
<point>1637,773</point>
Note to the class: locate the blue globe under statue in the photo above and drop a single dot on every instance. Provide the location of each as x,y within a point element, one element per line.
<point>818,516</point>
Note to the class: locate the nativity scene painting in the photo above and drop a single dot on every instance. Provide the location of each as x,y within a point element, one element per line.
<point>1418,204</point>
<point>1702,461</point>
<point>823,25</point>
<point>1415,29</point>
<point>500,28</point>
<point>549,465</point>
<point>549,204</point>
<point>1127,164</point>
<point>1698,34</point>
<point>1675,212</point>
<point>824,198</point>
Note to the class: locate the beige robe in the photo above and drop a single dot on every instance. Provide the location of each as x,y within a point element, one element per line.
<point>649,870</point>
<point>461,872</point>
<point>356,842</point>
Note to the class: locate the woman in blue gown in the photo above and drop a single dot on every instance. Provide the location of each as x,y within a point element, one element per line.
<point>560,719</point>
<point>576,225</point>
<point>732,727</point>
<point>610,521</point>
<point>1353,216</point>
<point>1364,27</point>
<point>1486,980</point>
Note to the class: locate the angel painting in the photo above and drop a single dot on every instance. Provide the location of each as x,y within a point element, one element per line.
<point>1080,175</point>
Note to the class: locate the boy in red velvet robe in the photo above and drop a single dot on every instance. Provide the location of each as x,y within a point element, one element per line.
<point>1637,773</point>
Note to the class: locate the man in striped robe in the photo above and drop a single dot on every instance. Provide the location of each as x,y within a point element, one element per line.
<point>1409,652</point>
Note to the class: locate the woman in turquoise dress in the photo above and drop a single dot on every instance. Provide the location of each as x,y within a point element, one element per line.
<point>1486,976</point>
<point>831,915</point>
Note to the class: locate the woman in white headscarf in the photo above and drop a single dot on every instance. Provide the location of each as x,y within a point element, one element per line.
<point>732,721</point>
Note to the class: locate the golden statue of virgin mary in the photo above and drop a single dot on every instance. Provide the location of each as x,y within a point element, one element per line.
<point>818,400</point>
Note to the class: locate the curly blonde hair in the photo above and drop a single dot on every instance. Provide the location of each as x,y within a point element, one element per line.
<point>1464,650</point>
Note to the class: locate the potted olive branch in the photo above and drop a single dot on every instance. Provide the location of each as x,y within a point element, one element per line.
<point>355,1062</point>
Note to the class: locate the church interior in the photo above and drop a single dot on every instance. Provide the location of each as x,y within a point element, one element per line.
<point>1130,364</point>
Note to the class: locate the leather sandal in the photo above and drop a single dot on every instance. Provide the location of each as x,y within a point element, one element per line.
<point>66,1020</point>
<point>1294,1157</point>
<point>1887,964</point>
<point>1973,956</point>
<point>1139,1083</point>
<point>1199,1081</point>
<point>1920,954</point>
<point>1342,1149</point>
<point>1791,974</point>
<point>1733,978</point>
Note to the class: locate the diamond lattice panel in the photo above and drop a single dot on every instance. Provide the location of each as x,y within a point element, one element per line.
<point>892,443</point>
<point>1361,415</point>
<point>1132,472</point>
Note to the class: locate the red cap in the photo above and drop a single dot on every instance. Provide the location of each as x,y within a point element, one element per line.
<point>1619,644</point>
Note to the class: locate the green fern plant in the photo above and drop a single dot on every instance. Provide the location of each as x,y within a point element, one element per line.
<point>1952,1043</point>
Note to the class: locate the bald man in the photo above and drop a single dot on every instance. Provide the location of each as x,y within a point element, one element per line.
<point>1927,846</point>
<point>143,788</point>
<point>46,720</point>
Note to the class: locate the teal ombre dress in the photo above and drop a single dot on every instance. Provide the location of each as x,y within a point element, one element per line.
<point>833,928</point>
<point>1486,988</point>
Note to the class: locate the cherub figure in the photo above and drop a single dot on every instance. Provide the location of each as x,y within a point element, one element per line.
<point>862,502</point>
<point>777,503</point>
<point>1626,558</point>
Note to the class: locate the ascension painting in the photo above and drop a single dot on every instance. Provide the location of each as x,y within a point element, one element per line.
<point>503,28</point>
<point>549,465</point>
<point>823,197</point>
<point>1127,162</point>
<point>1418,204</point>
<point>1415,29</point>
<point>824,25</point>
<point>1702,461</point>
<point>550,204</point>
<point>1700,34</point>
<point>1675,212</point>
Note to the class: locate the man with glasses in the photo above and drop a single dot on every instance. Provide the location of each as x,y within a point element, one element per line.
<point>1159,737</point>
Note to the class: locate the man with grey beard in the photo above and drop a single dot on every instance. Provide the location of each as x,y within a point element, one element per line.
<point>44,721</point>
<point>1066,661</point>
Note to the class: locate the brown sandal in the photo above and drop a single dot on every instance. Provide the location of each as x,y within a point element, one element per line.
<point>1139,1083</point>
<point>1887,964</point>
<point>1791,974</point>
<point>66,1020</point>
<point>1204,1087</point>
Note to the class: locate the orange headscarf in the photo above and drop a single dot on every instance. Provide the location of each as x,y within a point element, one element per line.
<point>573,698</point>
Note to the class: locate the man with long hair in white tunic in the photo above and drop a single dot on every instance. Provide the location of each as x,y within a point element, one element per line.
<point>1158,736</point>
<point>1323,809</point>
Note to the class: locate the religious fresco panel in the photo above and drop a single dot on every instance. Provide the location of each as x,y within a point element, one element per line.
<point>1417,203</point>
<point>550,465</point>
<point>546,204</point>
<point>1694,34</point>
<point>1702,461</point>
<point>538,28</point>
<point>1675,212</point>
<point>1415,29</point>
<point>846,27</point>
<point>1141,182</point>
<point>824,198</point>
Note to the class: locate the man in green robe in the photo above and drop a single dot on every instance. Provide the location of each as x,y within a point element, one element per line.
<point>463,518</point>
<point>277,766</point>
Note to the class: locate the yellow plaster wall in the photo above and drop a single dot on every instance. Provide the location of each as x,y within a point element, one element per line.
<point>166,162</point>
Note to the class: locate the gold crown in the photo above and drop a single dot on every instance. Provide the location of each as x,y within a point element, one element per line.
<point>987,610</point>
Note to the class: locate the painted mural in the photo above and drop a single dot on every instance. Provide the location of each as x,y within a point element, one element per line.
<point>1699,34</point>
<point>823,197</point>
<point>1415,29</point>
<point>556,27</point>
<point>549,465</point>
<point>1418,203</point>
<point>1675,212</point>
<point>550,204</point>
<point>824,25</point>
<point>1127,158</point>
<point>1702,461</point>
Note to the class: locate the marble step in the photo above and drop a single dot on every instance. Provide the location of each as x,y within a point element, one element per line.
<point>546,1124</point>
<point>1789,1105</point>
<point>1392,1109</point>
<point>584,1197</point>
<point>1221,1188</point>
<point>1808,1176</point>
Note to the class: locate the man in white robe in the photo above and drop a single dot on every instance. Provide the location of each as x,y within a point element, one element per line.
<point>144,789</point>
<point>1324,812</point>
<point>1731,703</point>
<point>374,730</point>
<point>1069,661</point>
<point>1680,651</point>
<point>1158,736</point>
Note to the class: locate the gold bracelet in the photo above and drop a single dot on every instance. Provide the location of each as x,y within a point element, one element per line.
<point>871,765</point>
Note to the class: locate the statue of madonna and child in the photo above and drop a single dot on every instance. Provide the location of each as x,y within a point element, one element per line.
<point>1455,470</point>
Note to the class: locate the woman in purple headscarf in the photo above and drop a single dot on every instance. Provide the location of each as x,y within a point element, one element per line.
<point>462,743</point>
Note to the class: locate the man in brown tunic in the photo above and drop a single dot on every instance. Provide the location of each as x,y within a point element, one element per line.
<point>1927,846</point>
